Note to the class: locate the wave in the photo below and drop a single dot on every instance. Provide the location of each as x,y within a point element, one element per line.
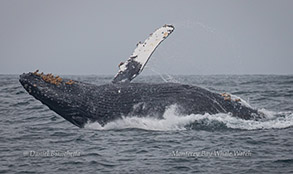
<point>174,121</point>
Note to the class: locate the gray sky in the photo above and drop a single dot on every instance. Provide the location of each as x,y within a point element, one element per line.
<point>94,36</point>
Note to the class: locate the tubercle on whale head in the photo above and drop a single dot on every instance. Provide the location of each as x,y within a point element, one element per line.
<point>38,85</point>
<point>45,86</point>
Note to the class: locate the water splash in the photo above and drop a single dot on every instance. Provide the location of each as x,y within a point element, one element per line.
<point>173,121</point>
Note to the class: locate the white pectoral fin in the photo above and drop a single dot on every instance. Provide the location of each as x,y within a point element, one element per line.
<point>142,53</point>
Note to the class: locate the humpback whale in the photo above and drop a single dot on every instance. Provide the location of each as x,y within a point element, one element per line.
<point>81,103</point>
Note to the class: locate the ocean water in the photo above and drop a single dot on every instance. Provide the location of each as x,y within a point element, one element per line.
<point>34,139</point>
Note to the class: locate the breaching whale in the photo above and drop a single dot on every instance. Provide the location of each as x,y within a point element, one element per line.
<point>82,103</point>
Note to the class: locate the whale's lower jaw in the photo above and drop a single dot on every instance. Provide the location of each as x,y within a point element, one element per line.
<point>81,103</point>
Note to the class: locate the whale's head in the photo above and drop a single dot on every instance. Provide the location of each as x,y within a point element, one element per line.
<point>46,88</point>
<point>36,86</point>
<point>55,92</point>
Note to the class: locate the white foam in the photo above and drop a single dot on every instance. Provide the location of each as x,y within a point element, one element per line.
<point>173,121</point>
<point>273,120</point>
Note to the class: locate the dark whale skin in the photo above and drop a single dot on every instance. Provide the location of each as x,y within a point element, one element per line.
<point>81,103</point>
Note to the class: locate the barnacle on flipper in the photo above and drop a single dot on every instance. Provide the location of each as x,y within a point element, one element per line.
<point>121,63</point>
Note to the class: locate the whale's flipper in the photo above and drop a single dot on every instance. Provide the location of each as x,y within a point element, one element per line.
<point>137,61</point>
